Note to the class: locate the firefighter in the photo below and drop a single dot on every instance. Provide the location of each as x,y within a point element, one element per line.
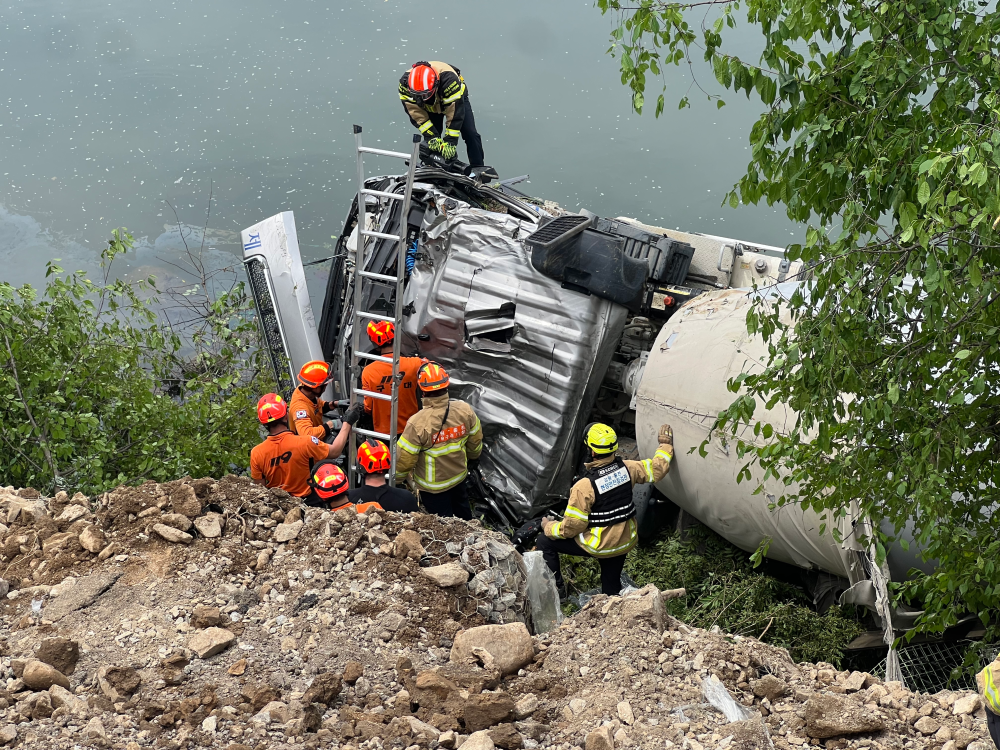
<point>329,485</point>
<point>600,517</point>
<point>436,99</point>
<point>377,377</point>
<point>439,444</point>
<point>284,459</point>
<point>986,682</point>
<point>306,406</point>
<point>375,462</point>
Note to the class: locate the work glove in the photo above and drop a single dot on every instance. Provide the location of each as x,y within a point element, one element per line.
<point>435,144</point>
<point>352,415</point>
<point>667,435</point>
<point>448,150</point>
<point>473,464</point>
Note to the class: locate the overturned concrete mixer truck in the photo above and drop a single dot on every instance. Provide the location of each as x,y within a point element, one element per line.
<point>547,320</point>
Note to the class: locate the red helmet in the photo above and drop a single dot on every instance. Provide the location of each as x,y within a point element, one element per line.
<point>329,481</point>
<point>422,81</point>
<point>432,377</point>
<point>271,408</point>
<point>381,332</point>
<point>315,374</point>
<point>373,457</point>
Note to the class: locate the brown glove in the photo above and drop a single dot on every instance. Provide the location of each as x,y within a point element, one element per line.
<point>667,435</point>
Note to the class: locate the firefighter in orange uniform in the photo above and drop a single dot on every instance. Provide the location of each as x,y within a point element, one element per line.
<point>307,407</point>
<point>330,485</point>
<point>377,377</point>
<point>285,459</point>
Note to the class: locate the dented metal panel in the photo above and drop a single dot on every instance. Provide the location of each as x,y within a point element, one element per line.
<point>527,354</point>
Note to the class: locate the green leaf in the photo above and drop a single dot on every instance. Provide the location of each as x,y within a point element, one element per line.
<point>963,354</point>
<point>923,193</point>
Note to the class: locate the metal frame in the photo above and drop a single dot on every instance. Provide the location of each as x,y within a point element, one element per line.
<point>362,315</point>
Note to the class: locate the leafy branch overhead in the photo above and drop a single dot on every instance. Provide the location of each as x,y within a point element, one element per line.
<point>879,132</point>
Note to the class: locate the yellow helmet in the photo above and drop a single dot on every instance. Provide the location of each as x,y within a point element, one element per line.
<point>601,439</point>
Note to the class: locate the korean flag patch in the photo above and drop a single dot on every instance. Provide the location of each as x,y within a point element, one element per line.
<point>301,414</point>
<point>314,439</point>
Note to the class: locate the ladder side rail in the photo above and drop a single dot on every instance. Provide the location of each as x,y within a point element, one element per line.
<point>359,263</point>
<point>401,253</point>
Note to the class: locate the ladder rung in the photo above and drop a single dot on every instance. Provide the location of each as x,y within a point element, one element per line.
<point>383,235</point>
<point>383,194</point>
<point>383,152</point>
<point>372,433</point>
<point>376,357</point>
<point>378,276</point>
<point>374,394</point>
<point>375,316</point>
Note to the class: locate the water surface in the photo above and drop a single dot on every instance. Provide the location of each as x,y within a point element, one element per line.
<point>131,113</point>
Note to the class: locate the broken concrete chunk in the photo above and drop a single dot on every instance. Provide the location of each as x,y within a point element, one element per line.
<point>172,535</point>
<point>927,725</point>
<point>625,713</point>
<point>449,574</point>
<point>832,715</point>
<point>409,545</point>
<point>324,689</point>
<point>600,739</point>
<point>510,645</point>
<point>61,653</point>
<point>205,617</point>
<point>211,641</point>
<point>41,676</point>
<point>479,741</point>
<point>209,525</point>
<point>967,704</point>
<point>526,705</point>
<point>63,698</point>
<point>184,500</point>
<point>486,710</point>
<point>92,539</point>
<point>769,686</point>
<point>8,733</point>
<point>353,671</point>
<point>855,681</point>
<point>117,683</point>
<point>286,532</point>
<point>644,605</point>
<point>176,521</point>
<point>71,514</point>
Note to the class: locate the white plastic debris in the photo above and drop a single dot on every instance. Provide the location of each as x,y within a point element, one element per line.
<point>716,694</point>
<point>543,596</point>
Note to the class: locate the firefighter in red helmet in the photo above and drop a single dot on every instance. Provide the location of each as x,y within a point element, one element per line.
<point>306,405</point>
<point>374,461</point>
<point>436,100</point>
<point>377,377</point>
<point>284,459</point>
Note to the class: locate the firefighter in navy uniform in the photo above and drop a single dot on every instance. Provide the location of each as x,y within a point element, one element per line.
<point>600,517</point>
<point>436,100</point>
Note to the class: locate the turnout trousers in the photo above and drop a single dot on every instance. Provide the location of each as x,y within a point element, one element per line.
<point>611,567</point>
<point>451,502</point>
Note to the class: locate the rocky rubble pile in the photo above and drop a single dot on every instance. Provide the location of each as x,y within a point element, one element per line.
<point>204,613</point>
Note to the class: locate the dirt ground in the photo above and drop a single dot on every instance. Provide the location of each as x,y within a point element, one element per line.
<point>215,613</point>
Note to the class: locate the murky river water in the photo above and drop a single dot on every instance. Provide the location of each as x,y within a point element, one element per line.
<point>123,113</point>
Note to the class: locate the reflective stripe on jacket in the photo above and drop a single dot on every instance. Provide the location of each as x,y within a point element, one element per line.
<point>437,444</point>
<point>986,681</point>
<point>606,541</point>
<point>447,101</point>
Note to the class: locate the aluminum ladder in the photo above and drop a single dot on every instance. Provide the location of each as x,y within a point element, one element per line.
<point>361,317</point>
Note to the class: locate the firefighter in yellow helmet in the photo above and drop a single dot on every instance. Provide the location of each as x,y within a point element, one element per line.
<point>439,445</point>
<point>600,517</point>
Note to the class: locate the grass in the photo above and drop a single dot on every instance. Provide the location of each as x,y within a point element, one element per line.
<point>724,589</point>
